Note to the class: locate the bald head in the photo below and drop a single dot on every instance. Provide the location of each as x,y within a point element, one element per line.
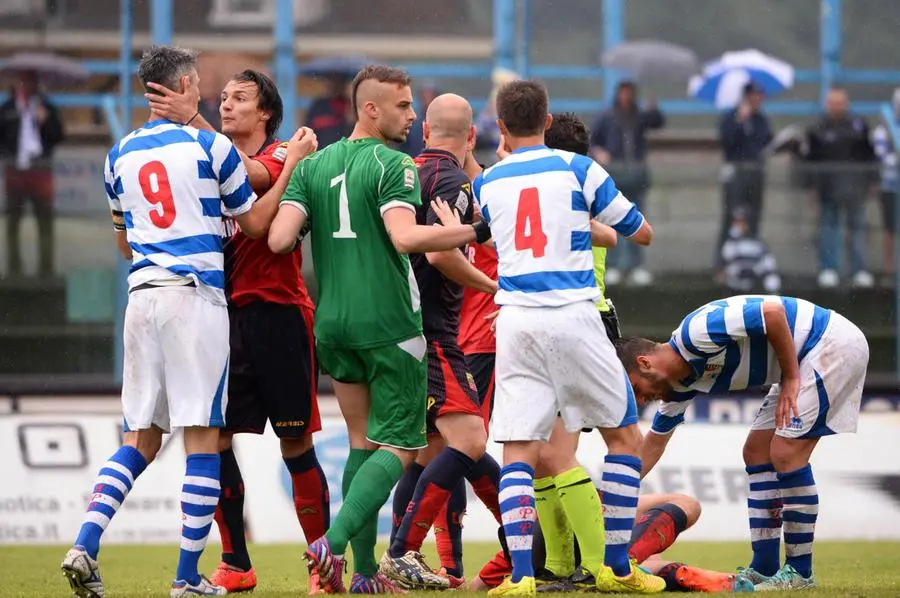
<point>449,116</point>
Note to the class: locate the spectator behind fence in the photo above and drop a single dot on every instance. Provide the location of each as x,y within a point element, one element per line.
<point>744,133</point>
<point>330,115</point>
<point>884,149</point>
<point>619,143</point>
<point>748,263</point>
<point>841,158</point>
<point>30,129</point>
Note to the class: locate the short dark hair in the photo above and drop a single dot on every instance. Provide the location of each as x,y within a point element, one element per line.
<point>268,97</point>
<point>567,132</point>
<point>630,348</point>
<point>381,73</point>
<point>166,65</point>
<point>522,106</point>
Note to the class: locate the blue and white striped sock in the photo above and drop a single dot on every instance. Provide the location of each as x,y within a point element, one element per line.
<point>764,510</point>
<point>621,485</point>
<point>113,483</point>
<point>199,497</point>
<point>801,509</point>
<point>517,506</point>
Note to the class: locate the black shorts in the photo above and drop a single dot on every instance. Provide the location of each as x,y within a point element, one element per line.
<point>482,367</point>
<point>273,372</point>
<point>451,387</point>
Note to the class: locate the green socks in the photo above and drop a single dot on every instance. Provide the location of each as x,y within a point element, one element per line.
<point>582,504</point>
<point>368,480</point>
<point>558,538</point>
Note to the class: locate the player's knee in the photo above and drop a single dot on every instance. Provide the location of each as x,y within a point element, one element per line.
<point>756,450</point>
<point>294,447</point>
<point>464,433</point>
<point>623,441</point>
<point>226,440</point>
<point>690,505</point>
<point>147,442</point>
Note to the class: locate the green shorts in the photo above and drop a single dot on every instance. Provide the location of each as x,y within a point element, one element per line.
<point>397,377</point>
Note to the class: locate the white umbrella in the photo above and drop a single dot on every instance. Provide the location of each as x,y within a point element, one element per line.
<point>50,68</point>
<point>646,59</point>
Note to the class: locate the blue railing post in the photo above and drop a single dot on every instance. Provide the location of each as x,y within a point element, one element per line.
<point>118,130</point>
<point>830,45</point>
<point>890,121</point>
<point>613,25</point>
<point>284,65</point>
<point>504,34</point>
<point>523,43</point>
<point>161,22</point>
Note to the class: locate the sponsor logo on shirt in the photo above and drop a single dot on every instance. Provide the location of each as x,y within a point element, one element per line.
<point>409,178</point>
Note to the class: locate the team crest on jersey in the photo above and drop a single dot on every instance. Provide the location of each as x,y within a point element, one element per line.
<point>409,178</point>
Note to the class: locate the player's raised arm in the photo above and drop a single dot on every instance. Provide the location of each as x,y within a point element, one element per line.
<point>255,222</point>
<point>181,108</point>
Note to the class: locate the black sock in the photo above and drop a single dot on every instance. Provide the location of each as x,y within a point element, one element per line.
<point>403,493</point>
<point>230,513</point>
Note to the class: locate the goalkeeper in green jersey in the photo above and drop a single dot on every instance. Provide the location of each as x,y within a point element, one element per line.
<point>358,198</point>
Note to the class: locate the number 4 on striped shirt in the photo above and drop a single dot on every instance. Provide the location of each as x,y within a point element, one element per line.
<point>529,232</point>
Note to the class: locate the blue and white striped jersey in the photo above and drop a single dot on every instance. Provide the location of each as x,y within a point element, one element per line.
<point>726,346</point>
<point>169,186</point>
<point>539,203</point>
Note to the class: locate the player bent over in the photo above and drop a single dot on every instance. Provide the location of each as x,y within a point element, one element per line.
<point>273,372</point>
<point>816,361</point>
<point>168,186</point>
<point>360,198</point>
<point>436,486</point>
<point>553,355</point>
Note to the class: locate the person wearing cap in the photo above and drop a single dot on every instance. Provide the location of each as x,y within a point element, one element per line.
<point>619,144</point>
<point>744,133</point>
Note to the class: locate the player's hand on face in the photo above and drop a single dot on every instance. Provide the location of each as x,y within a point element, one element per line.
<point>301,144</point>
<point>172,105</point>
<point>447,215</point>
<point>786,408</point>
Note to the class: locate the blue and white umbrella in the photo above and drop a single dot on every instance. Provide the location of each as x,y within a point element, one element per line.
<point>723,80</point>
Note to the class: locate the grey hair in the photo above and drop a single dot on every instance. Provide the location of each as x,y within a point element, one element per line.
<point>166,65</point>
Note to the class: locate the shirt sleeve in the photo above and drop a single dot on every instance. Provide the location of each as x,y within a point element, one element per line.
<point>398,182</point>
<point>456,190</point>
<point>605,201</point>
<point>234,184</point>
<point>670,414</point>
<point>115,204</point>
<point>295,194</point>
<point>272,160</point>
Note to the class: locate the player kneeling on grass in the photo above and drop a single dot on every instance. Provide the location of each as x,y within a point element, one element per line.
<point>660,519</point>
<point>273,372</point>
<point>168,186</point>
<point>360,198</point>
<point>814,358</point>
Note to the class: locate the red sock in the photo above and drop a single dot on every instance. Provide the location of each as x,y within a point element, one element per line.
<point>311,498</point>
<point>655,531</point>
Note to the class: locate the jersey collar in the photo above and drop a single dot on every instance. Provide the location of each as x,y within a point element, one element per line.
<point>157,122</point>
<point>438,153</point>
<point>529,148</point>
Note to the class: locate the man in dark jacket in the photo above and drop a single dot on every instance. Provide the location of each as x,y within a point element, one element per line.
<point>619,143</point>
<point>30,129</point>
<point>744,133</point>
<point>331,115</point>
<point>843,168</point>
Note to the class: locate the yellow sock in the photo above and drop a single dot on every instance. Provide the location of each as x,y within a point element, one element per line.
<point>581,502</point>
<point>559,541</point>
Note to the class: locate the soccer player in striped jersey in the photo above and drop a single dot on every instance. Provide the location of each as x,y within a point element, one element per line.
<point>168,186</point>
<point>273,373</point>
<point>814,358</point>
<point>553,354</point>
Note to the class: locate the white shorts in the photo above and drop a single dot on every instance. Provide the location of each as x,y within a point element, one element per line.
<point>557,360</point>
<point>176,360</point>
<point>832,376</point>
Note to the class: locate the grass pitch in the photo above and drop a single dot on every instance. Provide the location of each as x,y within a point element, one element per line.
<point>853,569</point>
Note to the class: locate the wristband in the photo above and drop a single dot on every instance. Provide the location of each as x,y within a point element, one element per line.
<point>192,118</point>
<point>482,231</point>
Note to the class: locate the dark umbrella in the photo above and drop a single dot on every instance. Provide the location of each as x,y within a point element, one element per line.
<point>51,69</point>
<point>646,59</point>
<point>340,66</point>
